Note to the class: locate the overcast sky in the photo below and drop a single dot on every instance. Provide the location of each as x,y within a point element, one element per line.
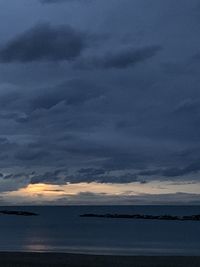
<point>99,101</point>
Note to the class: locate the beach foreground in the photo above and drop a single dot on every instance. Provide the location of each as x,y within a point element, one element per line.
<point>11,259</point>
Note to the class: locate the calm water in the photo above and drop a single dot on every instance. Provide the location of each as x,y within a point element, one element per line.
<point>61,229</point>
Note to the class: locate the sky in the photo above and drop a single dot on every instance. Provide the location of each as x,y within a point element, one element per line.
<point>99,102</point>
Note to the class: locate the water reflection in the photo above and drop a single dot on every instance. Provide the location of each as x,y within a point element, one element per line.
<point>37,240</point>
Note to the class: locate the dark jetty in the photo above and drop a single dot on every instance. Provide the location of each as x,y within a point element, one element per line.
<point>144,217</point>
<point>19,213</point>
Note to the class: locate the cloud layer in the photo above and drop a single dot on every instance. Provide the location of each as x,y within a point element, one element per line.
<point>90,98</point>
<point>44,43</point>
<point>121,59</point>
<point>58,1</point>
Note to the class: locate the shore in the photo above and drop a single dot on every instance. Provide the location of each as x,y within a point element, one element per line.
<point>22,259</point>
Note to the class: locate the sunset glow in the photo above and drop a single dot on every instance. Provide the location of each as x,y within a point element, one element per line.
<point>50,192</point>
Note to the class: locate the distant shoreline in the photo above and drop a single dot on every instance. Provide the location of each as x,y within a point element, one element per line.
<point>18,213</point>
<point>22,259</point>
<point>165,217</point>
<point>143,216</point>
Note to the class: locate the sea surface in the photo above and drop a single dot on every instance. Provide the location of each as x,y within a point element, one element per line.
<point>61,229</point>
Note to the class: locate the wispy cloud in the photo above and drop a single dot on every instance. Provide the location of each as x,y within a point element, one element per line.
<point>121,59</point>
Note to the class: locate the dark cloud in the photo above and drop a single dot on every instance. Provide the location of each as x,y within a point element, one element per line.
<point>121,59</point>
<point>13,176</point>
<point>55,177</point>
<point>106,177</point>
<point>60,1</point>
<point>14,181</point>
<point>188,106</point>
<point>3,140</point>
<point>29,155</point>
<point>91,171</point>
<point>74,92</point>
<point>63,1</point>
<point>44,42</point>
<point>173,172</point>
<point>55,1</point>
<point>84,175</point>
<point>192,168</point>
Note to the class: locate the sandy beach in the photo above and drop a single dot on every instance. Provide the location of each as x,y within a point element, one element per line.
<point>11,259</point>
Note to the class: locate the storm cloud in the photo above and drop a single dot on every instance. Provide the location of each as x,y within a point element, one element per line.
<point>105,93</point>
<point>124,58</point>
<point>59,1</point>
<point>44,42</point>
<point>89,175</point>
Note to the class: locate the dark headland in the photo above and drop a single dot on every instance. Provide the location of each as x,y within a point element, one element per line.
<point>18,213</point>
<point>144,217</point>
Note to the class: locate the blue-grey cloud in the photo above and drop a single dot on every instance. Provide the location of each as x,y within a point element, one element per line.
<point>173,172</point>
<point>62,1</point>
<point>44,42</point>
<point>73,92</point>
<point>54,1</point>
<point>88,175</point>
<point>121,59</point>
<point>59,1</point>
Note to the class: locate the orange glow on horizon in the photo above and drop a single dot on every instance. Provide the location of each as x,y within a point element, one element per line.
<point>50,192</point>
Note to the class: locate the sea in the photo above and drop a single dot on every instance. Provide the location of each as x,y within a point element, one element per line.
<point>61,229</point>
